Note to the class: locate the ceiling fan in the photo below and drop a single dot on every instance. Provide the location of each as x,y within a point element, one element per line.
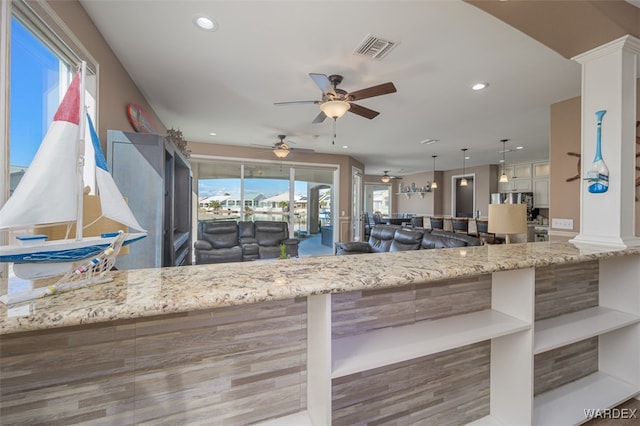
<point>282,149</point>
<point>386,177</point>
<point>336,102</point>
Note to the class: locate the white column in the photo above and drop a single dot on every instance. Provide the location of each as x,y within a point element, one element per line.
<point>609,83</point>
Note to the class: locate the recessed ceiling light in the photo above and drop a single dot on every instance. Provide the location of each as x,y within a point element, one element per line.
<point>519,147</point>
<point>205,23</point>
<point>428,141</point>
<point>480,86</point>
<point>467,158</point>
<point>212,134</point>
<point>345,146</point>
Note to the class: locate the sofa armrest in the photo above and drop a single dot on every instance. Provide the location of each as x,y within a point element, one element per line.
<point>291,245</point>
<point>202,245</point>
<point>352,247</point>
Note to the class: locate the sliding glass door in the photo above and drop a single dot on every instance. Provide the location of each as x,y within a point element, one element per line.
<point>300,195</point>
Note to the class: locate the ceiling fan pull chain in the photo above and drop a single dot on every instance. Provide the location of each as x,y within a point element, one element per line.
<point>333,142</point>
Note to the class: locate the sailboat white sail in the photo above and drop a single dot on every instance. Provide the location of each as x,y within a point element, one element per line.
<point>51,191</point>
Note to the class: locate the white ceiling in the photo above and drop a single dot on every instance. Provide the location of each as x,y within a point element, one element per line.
<point>228,80</point>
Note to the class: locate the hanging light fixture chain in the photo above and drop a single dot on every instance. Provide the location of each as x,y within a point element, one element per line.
<point>333,142</point>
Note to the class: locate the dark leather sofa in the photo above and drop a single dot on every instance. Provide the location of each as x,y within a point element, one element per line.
<point>390,238</point>
<point>230,241</point>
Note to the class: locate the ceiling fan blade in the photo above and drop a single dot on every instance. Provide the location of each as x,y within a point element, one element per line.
<point>370,92</point>
<point>363,111</point>
<point>303,150</point>
<point>322,81</point>
<point>319,118</point>
<point>296,102</point>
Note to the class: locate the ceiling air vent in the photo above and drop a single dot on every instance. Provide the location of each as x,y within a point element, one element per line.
<point>374,47</point>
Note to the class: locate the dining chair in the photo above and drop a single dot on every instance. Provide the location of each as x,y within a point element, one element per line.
<point>437,223</point>
<point>460,225</point>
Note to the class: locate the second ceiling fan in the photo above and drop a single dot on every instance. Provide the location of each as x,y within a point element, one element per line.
<point>336,102</point>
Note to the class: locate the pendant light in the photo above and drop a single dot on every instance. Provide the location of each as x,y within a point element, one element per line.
<point>434,184</point>
<point>463,181</point>
<point>503,176</point>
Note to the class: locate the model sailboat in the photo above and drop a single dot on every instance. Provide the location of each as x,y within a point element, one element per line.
<point>51,192</point>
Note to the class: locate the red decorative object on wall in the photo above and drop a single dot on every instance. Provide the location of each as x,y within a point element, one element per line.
<point>140,119</point>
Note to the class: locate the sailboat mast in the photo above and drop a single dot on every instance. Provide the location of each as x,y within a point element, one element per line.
<point>80,153</point>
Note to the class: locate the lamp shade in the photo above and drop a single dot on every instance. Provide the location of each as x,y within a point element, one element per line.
<point>503,178</point>
<point>507,219</point>
<point>335,109</point>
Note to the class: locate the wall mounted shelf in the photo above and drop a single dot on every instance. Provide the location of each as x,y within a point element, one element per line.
<point>410,193</point>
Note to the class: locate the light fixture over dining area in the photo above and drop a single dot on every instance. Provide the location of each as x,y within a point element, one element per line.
<point>463,181</point>
<point>503,176</point>
<point>385,177</point>
<point>434,184</point>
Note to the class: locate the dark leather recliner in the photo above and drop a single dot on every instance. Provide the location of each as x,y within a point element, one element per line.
<point>383,238</point>
<point>386,238</point>
<point>228,241</point>
<point>269,236</point>
<point>406,239</point>
<point>248,242</point>
<point>445,239</point>
<point>217,243</point>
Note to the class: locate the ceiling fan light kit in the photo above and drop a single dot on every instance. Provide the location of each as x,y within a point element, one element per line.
<point>385,177</point>
<point>335,109</point>
<point>281,151</point>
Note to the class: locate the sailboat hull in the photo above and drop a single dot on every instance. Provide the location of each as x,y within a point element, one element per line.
<point>61,250</point>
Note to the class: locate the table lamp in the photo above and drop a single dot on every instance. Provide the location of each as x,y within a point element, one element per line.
<point>507,219</point>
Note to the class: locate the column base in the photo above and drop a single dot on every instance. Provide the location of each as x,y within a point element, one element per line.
<point>622,242</point>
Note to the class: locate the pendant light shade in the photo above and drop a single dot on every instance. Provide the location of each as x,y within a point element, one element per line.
<point>385,177</point>
<point>434,184</point>
<point>463,181</point>
<point>335,109</point>
<point>503,176</point>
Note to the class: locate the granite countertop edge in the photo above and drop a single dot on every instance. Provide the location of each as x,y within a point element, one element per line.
<point>164,291</point>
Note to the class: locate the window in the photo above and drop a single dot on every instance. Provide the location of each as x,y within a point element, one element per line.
<point>36,77</point>
<point>263,191</point>
<point>42,64</point>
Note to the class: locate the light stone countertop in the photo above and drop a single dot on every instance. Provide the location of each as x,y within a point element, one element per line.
<point>150,292</point>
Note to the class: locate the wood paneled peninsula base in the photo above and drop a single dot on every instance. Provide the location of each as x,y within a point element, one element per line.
<point>535,333</point>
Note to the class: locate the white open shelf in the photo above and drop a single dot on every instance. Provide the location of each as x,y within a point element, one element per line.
<point>555,332</point>
<point>386,346</point>
<point>566,405</point>
<point>300,418</point>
